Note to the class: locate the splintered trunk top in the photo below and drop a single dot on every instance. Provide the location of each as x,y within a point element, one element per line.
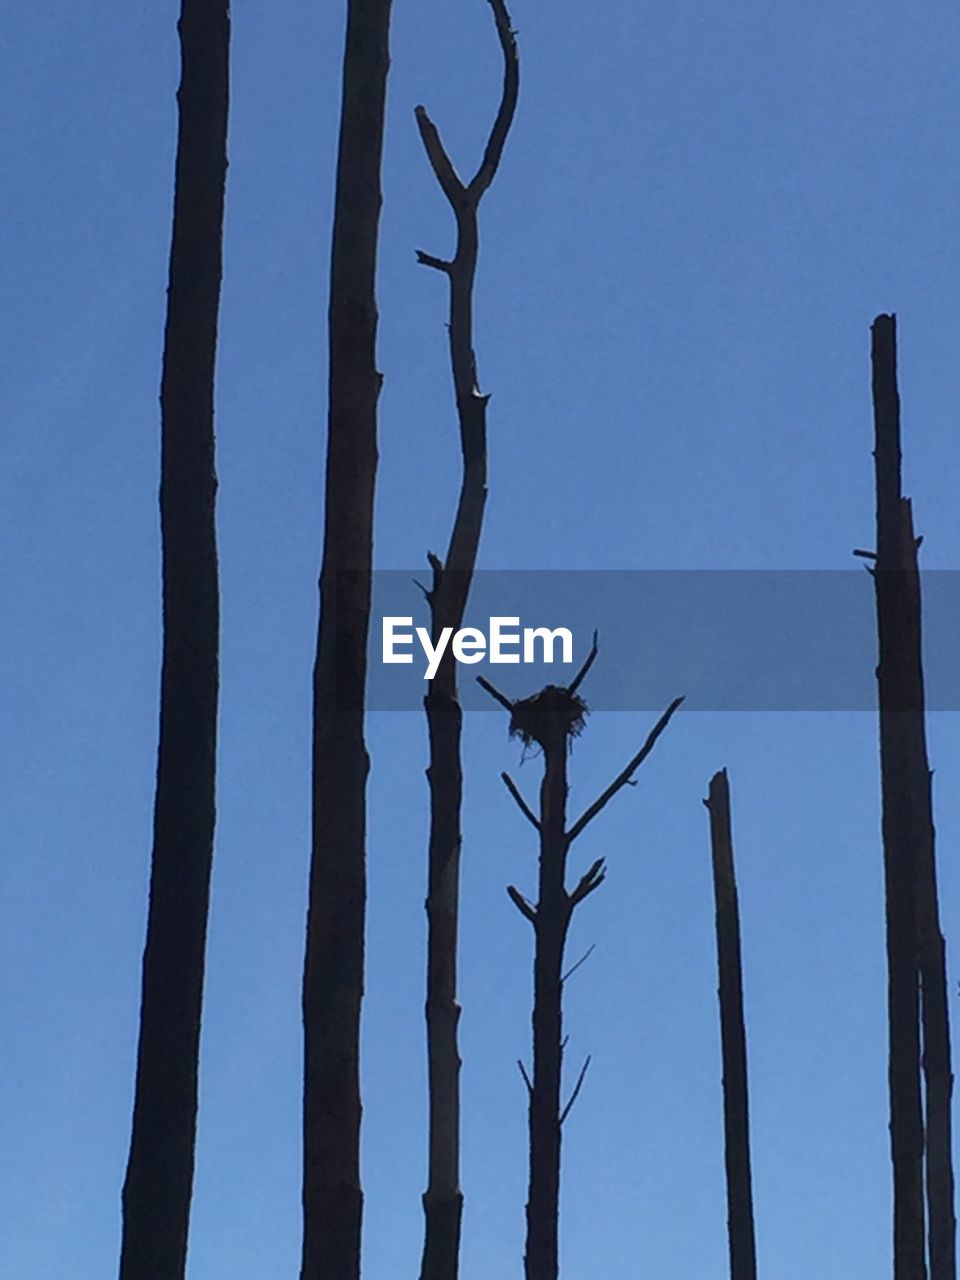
<point>159,1179</point>
<point>333,968</point>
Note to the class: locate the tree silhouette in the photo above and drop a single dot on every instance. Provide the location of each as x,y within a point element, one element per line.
<point>733,1037</point>
<point>159,1178</point>
<point>917,985</point>
<point>447,598</point>
<point>551,719</point>
<point>333,966</point>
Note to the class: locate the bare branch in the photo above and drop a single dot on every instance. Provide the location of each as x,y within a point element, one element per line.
<point>865,555</point>
<point>439,264</point>
<point>591,879</point>
<point>495,693</point>
<point>591,657</point>
<point>573,968</point>
<point>526,1078</point>
<point>623,778</point>
<point>524,807</point>
<point>520,902</point>
<point>576,1089</point>
<point>440,162</point>
<point>508,103</point>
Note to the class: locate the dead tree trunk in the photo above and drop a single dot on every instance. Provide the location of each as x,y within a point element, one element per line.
<point>935,1015</point>
<point>447,598</point>
<point>937,1063</point>
<point>159,1178</point>
<point>898,741</point>
<point>915,948</point>
<point>333,967</point>
<point>733,1037</point>
<point>551,719</point>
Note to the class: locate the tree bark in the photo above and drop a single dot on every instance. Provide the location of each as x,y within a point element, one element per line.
<point>904,776</point>
<point>159,1178</point>
<point>333,968</point>
<point>733,1037</point>
<point>552,922</point>
<point>447,598</point>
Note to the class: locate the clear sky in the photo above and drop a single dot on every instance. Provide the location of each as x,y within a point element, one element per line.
<point>698,214</point>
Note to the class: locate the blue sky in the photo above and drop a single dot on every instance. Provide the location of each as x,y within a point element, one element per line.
<point>698,214</point>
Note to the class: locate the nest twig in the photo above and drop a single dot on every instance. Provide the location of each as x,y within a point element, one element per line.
<point>553,713</point>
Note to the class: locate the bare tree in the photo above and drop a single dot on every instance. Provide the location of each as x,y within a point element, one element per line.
<point>159,1178</point>
<point>733,1037</point>
<point>333,968</point>
<point>915,947</point>
<point>447,598</point>
<point>551,719</point>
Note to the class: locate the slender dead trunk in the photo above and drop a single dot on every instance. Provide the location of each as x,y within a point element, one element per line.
<point>447,598</point>
<point>159,1178</point>
<point>733,1036</point>
<point>904,775</point>
<point>938,1072</point>
<point>333,967</point>
<point>552,922</point>
<point>909,851</point>
<point>551,719</point>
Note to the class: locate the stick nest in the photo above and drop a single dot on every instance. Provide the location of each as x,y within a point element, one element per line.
<point>553,713</point>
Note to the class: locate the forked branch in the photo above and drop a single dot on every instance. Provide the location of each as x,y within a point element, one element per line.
<point>591,879</point>
<point>463,197</point>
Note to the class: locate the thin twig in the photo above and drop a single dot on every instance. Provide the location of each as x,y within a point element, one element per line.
<point>623,778</point>
<point>439,264</point>
<point>576,1089</point>
<point>526,1078</point>
<point>573,968</point>
<point>494,692</point>
<point>591,658</point>
<point>522,804</point>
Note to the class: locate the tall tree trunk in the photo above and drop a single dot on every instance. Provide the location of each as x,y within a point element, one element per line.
<point>159,1178</point>
<point>333,967</point>
<point>909,844</point>
<point>904,774</point>
<point>447,598</point>
<point>552,922</point>
<point>733,1036</point>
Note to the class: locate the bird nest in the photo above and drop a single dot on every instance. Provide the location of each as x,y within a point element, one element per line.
<point>548,716</point>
